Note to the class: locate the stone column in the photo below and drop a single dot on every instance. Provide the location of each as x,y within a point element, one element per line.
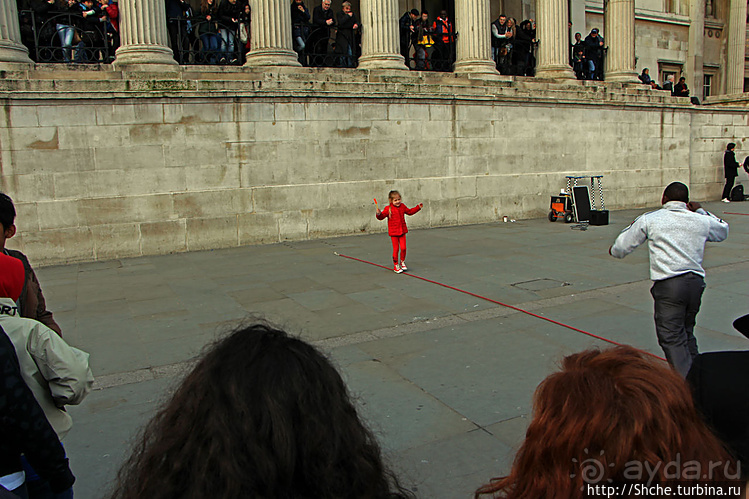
<point>11,48</point>
<point>271,43</point>
<point>619,34</point>
<point>474,46</point>
<point>736,47</point>
<point>144,38</point>
<point>553,40</point>
<point>380,37</point>
<point>693,70</point>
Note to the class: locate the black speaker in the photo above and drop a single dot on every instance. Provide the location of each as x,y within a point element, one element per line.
<point>599,217</point>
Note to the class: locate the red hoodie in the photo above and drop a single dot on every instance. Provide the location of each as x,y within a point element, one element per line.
<point>397,218</point>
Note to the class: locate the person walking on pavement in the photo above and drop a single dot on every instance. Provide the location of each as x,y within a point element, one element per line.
<point>731,171</point>
<point>676,236</point>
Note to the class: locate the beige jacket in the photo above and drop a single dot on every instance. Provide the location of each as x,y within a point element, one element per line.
<point>56,373</point>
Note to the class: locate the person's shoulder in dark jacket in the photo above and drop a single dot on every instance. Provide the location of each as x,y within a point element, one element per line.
<point>32,303</point>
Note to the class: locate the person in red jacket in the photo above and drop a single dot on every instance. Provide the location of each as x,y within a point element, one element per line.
<point>396,214</point>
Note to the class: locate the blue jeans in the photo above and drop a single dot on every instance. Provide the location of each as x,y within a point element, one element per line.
<point>66,33</point>
<point>211,44</point>
<point>227,42</point>
<point>299,44</point>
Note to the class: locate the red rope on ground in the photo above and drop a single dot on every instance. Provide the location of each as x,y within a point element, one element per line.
<point>729,213</point>
<point>503,304</point>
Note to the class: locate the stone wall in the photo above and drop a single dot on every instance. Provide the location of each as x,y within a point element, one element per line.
<point>112,167</point>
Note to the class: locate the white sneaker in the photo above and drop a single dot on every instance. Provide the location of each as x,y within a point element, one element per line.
<point>403,266</point>
<point>397,269</point>
<point>726,200</point>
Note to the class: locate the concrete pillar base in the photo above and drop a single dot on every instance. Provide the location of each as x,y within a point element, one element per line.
<point>563,72</point>
<point>272,57</point>
<point>382,61</point>
<point>623,77</point>
<point>14,53</point>
<point>476,66</point>
<point>149,57</point>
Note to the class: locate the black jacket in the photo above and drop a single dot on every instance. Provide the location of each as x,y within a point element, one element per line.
<point>228,11</point>
<point>319,17</point>
<point>404,24</point>
<point>205,26</point>
<point>523,38</point>
<point>176,9</point>
<point>681,90</point>
<point>593,48</point>
<point>730,165</point>
<point>90,22</point>
<point>345,34</point>
<point>298,16</point>
<point>25,429</point>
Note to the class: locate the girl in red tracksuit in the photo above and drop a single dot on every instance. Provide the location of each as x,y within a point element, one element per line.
<point>396,214</point>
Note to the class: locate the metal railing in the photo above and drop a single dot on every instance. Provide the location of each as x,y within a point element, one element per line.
<point>431,54</point>
<point>66,38</point>
<point>205,42</point>
<point>327,47</point>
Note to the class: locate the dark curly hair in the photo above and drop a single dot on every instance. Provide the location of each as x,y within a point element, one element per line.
<point>262,414</point>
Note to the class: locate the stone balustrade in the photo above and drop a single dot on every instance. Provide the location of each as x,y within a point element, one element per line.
<point>145,38</point>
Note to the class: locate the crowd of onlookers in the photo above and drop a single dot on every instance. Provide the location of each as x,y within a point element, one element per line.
<point>680,89</point>
<point>324,37</point>
<point>70,30</point>
<point>219,32</point>
<point>587,55</point>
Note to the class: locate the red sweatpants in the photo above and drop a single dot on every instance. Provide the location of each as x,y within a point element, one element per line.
<point>399,242</point>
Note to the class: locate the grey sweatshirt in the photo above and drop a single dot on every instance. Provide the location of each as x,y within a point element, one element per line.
<point>676,239</point>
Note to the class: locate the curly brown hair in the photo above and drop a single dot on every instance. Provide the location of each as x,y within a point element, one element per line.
<point>610,409</point>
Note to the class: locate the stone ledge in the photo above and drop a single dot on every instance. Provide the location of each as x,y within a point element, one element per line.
<point>51,82</point>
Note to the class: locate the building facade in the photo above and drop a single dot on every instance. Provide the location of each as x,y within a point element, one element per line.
<point>147,156</point>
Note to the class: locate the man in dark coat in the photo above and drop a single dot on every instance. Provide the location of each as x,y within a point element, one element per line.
<point>681,89</point>
<point>345,38</point>
<point>323,20</point>
<point>176,25</point>
<point>521,51</point>
<point>407,27</point>
<point>594,54</point>
<point>731,171</point>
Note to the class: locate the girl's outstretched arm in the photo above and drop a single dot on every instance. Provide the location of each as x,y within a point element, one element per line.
<point>415,209</point>
<point>381,215</point>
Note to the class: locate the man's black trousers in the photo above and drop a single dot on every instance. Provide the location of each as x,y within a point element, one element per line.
<point>677,301</point>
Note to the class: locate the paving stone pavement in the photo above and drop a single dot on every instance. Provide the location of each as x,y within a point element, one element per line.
<point>444,379</point>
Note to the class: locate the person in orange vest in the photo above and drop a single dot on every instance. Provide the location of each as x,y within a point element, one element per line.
<point>444,36</point>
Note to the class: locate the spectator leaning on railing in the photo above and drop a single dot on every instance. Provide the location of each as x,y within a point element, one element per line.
<point>424,40</point>
<point>407,27</point>
<point>345,41</point>
<point>208,31</point>
<point>300,18</point>
<point>444,36</point>
<point>176,15</point>
<point>229,13</point>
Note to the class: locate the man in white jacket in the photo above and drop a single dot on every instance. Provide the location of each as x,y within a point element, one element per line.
<point>57,374</point>
<point>676,236</point>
